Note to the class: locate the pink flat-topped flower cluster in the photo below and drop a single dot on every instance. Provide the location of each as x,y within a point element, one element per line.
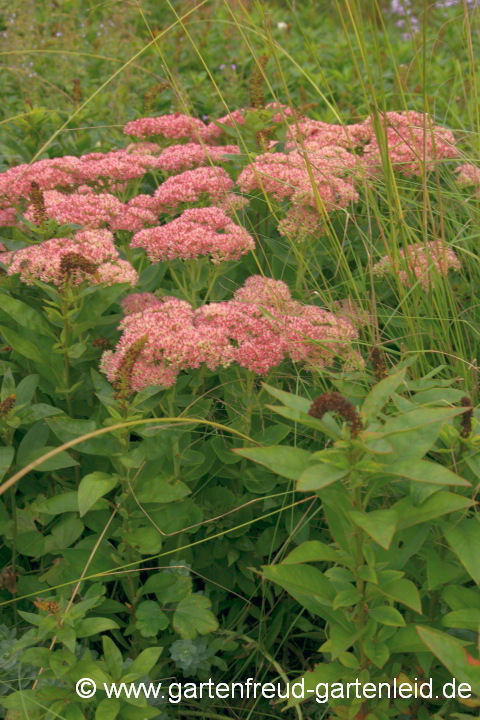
<point>93,210</point>
<point>258,329</point>
<point>197,232</point>
<point>423,261</point>
<point>92,255</point>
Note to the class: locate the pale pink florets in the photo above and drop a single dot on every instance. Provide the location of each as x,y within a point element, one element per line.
<point>413,141</point>
<point>258,329</point>
<point>287,175</point>
<point>138,302</point>
<point>190,187</point>
<point>469,174</point>
<point>173,127</point>
<point>43,261</point>
<point>277,173</point>
<point>184,157</point>
<point>300,222</point>
<point>94,210</point>
<point>197,232</point>
<point>265,291</point>
<point>423,261</point>
<point>322,134</point>
<point>173,344</point>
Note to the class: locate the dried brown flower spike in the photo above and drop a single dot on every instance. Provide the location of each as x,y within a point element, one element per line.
<point>378,363</point>
<point>467,416</point>
<point>6,405</point>
<point>334,402</point>
<point>257,98</point>
<point>123,379</point>
<point>38,202</point>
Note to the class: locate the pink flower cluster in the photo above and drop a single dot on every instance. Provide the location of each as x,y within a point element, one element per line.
<point>191,186</point>
<point>469,174</point>
<point>173,127</point>
<point>95,247</point>
<point>423,261</point>
<point>102,169</point>
<point>258,329</point>
<point>287,175</point>
<point>321,134</point>
<point>94,211</point>
<point>413,139</point>
<point>300,222</point>
<point>184,157</point>
<point>197,232</point>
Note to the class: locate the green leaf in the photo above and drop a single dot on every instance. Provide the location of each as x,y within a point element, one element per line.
<point>377,652</point>
<point>466,619</point>
<point>413,433</point>
<point>57,462</point>
<point>24,347</point>
<point>302,579</point>
<point>379,394</point>
<point>464,539</point>
<point>161,490</point>
<point>25,316</point>
<point>150,619</point>
<point>387,615</point>
<point>108,709</point>
<point>346,598</point>
<point>6,458</point>
<point>283,460</point>
<point>379,524</point>
<point>426,472</point>
<point>67,531</point>
<point>292,401</point>
<point>193,617</point>
<point>58,504</point>
<point>61,661</point>
<point>440,572</point>
<point>312,551</point>
<point>401,590</point>
<point>94,625</point>
<point>26,389</point>
<point>435,506</point>
<point>319,476</point>
<point>451,653</point>
<point>113,658</point>
<point>144,662</point>
<point>146,540</point>
<point>92,487</point>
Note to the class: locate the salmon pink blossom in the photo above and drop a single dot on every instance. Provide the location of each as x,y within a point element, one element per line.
<point>198,231</point>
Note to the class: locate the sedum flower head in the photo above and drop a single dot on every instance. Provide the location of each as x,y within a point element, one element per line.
<point>174,127</point>
<point>421,260</point>
<point>191,186</point>
<point>197,232</point>
<point>90,256</point>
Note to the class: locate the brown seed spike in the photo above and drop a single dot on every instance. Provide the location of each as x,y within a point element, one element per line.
<point>38,202</point>
<point>71,263</point>
<point>334,402</point>
<point>256,89</point>
<point>6,405</point>
<point>123,380</point>
<point>378,363</point>
<point>467,416</point>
